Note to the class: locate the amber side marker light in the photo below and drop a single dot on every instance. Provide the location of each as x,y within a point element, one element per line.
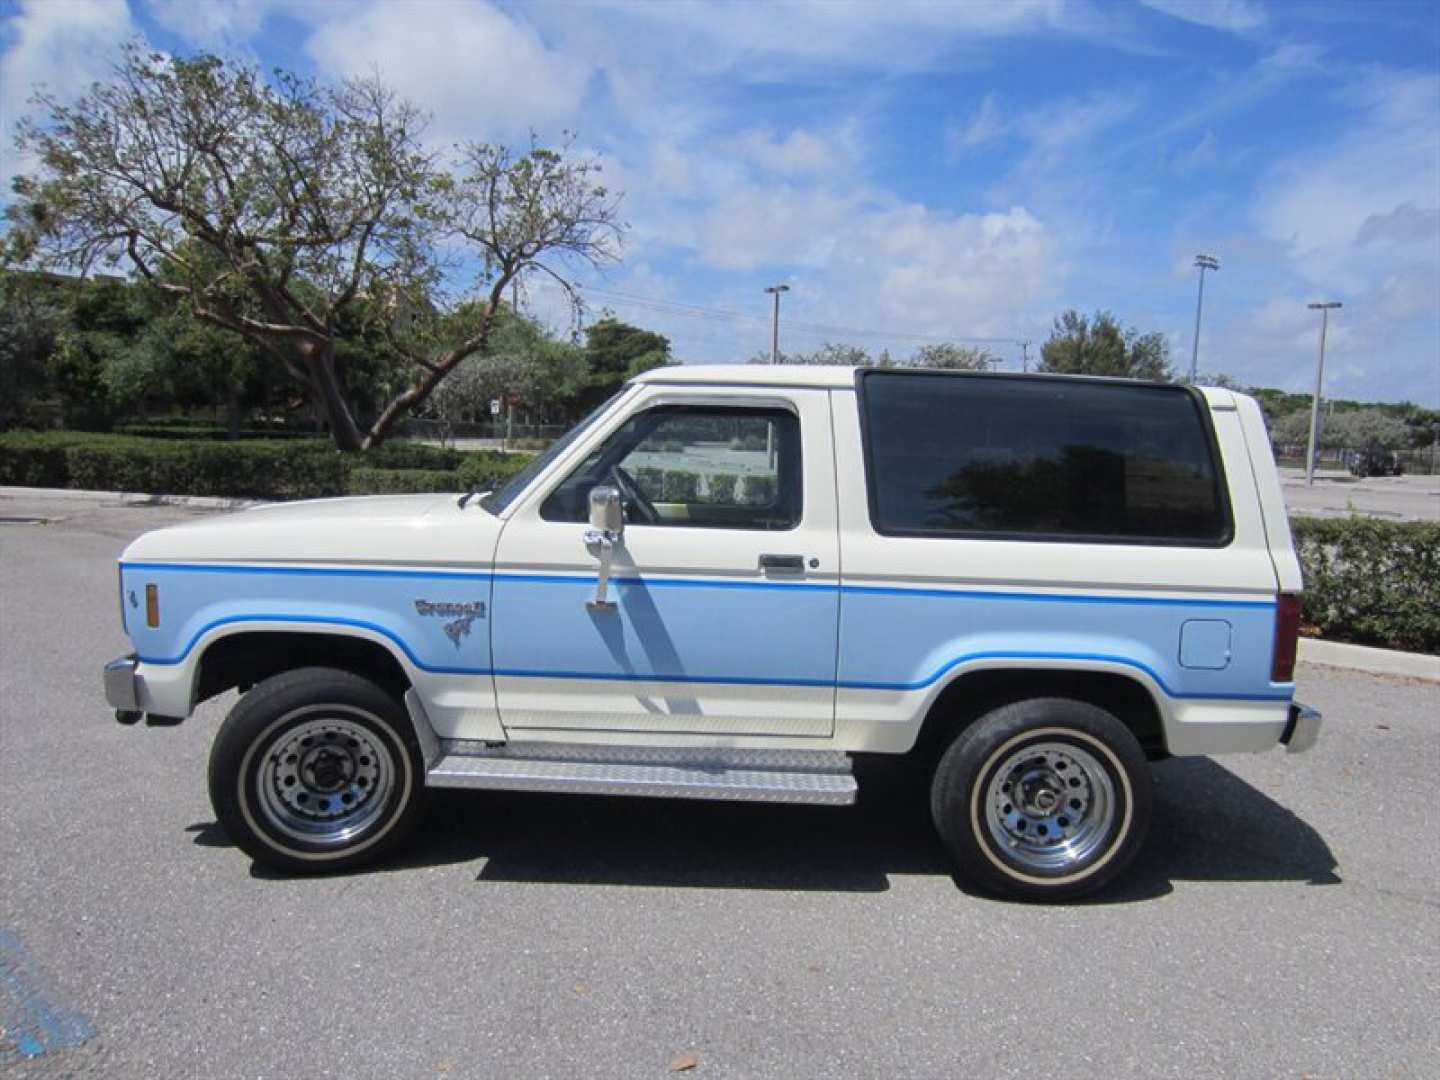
<point>1287,637</point>
<point>152,605</point>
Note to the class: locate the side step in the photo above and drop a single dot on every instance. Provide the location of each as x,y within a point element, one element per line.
<point>791,776</point>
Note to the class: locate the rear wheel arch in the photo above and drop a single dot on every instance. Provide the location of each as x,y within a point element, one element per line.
<point>974,693</point>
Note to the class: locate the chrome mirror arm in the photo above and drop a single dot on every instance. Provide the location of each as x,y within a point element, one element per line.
<point>601,544</point>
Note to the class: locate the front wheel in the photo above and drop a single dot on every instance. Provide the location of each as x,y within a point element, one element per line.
<point>1043,799</point>
<point>314,770</point>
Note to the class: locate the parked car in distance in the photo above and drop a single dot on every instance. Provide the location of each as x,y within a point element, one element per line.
<point>727,583</point>
<point>1374,461</point>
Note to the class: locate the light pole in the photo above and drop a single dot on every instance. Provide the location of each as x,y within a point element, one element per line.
<point>776,290</point>
<point>1203,263</point>
<point>1324,310</point>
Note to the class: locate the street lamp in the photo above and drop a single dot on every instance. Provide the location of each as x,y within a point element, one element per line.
<point>776,290</point>
<point>1324,310</point>
<point>1203,263</point>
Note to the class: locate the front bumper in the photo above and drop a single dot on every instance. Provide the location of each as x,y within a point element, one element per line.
<point>121,689</point>
<point>1302,730</point>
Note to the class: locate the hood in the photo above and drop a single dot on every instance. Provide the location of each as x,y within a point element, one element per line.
<point>375,529</point>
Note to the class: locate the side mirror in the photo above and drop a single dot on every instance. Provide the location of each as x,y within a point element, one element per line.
<point>606,513</point>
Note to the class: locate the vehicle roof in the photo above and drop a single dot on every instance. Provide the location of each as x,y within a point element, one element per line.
<point>825,375</point>
<point>752,374</point>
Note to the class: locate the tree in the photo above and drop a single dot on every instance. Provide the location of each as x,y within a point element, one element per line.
<point>951,357</point>
<point>31,318</point>
<point>284,211</point>
<point>827,354</point>
<point>524,362</point>
<point>1364,428</point>
<point>616,351</point>
<point>1101,346</point>
<point>1220,379</point>
<point>1291,429</point>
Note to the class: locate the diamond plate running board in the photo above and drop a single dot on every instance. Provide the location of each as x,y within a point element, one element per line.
<point>791,776</point>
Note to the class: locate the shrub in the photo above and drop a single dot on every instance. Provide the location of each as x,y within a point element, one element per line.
<point>679,486</point>
<point>403,481</point>
<point>720,487</point>
<point>252,469</point>
<point>487,471</point>
<point>650,481</point>
<point>1371,581</point>
<point>759,490</point>
<point>412,455</point>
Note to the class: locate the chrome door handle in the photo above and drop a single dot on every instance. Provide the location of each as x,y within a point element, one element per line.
<point>782,562</point>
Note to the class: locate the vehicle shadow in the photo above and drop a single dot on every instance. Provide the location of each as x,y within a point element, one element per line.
<point>1209,826</point>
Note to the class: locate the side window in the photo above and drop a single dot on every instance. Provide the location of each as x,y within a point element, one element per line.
<point>1031,458</point>
<point>694,466</point>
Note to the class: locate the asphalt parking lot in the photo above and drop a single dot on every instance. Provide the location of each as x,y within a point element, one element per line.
<point>1338,494</point>
<point>1281,920</point>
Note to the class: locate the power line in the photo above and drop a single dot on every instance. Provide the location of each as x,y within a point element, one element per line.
<point>696,311</point>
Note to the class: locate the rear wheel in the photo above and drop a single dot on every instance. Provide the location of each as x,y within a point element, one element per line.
<point>1046,798</point>
<point>316,769</point>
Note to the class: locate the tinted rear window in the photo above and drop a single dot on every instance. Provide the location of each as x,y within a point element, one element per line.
<point>1040,457</point>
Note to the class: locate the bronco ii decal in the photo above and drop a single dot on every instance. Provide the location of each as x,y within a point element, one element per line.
<point>465,613</point>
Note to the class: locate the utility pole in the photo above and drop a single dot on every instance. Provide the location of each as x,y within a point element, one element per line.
<point>1025,357</point>
<point>775,291</point>
<point>1324,310</point>
<point>1203,263</point>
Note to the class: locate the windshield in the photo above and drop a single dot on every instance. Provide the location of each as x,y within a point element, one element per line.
<point>498,500</point>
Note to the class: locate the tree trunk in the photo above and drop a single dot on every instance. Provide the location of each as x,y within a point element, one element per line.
<point>320,363</point>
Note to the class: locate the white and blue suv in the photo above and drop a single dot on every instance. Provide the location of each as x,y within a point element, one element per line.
<point>726,583</point>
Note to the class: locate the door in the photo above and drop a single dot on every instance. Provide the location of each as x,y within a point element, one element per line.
<point>725,579</point>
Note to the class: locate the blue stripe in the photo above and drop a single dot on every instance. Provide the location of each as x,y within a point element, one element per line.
<point>317,620</point>
<point>1283,695</point>
<point>724,680</point>
<point>309,571</point>
<point>703,583</point>
<point>1051,598</point>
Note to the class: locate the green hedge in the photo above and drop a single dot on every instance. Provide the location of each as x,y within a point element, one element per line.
<point>403,481</point>
<point>1372,581</point>
<point>254,468</point>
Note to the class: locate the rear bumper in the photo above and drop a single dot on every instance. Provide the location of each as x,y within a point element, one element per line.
<point>121,683</point>
<point>1302,730</point>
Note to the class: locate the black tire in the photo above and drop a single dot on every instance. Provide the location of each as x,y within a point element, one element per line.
<point>981,784</point>
<point>316,770</point>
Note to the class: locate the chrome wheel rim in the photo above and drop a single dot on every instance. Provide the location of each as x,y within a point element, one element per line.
<point>326,780</point>
<point>1050,807</point>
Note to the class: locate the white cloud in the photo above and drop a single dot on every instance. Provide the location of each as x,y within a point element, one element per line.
<point>984,126</point>
<point>1235,15</point>
<point>799,153</point>
<point>216,24</point>
<point>1328,205</point>
<point>791,38</point>
<point>61,46</point>
<point>1062,125</point>
<point>482,72</point>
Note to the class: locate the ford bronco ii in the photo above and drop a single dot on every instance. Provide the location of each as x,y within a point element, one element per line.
<point>727,582</point>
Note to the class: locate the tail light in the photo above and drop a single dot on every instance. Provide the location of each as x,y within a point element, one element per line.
<point>1287,637</point>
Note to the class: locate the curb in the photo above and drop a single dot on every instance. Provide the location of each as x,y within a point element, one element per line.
<point>1365,658</point>
<point>132,498</point>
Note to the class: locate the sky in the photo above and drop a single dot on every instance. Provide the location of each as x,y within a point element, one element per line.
<point>918,172</point>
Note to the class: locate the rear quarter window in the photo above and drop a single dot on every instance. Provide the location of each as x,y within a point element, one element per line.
<point>1036,458</point>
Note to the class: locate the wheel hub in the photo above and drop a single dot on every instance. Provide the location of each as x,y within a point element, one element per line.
<point>325,780</point>
<point>1049,806</point>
